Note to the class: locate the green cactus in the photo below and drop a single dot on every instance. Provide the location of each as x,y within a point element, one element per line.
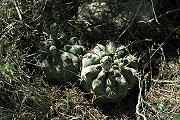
<point>60,57</point>
<point>109,72</point>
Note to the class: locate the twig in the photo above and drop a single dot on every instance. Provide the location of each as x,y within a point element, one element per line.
<point>164,81</point>
<point>140,101</point>
<point>18,11</point>
<point>160,46</point>
<point>148,104</point>
<point>152,108</point>
<point>155,17</point>
<point>7,30</point>
<point>168,12</point>
<point>139,41</point>
<point>131,21</point>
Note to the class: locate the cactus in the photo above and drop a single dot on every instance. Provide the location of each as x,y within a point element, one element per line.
<point>60,57</point>
<point>108,72</point>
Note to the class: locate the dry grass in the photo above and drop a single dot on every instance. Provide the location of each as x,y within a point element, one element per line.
<point>24,95</point>
<point>164,93</point>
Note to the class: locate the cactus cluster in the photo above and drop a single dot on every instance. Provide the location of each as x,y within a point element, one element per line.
<point>60,57</point>
<point>108,72</point>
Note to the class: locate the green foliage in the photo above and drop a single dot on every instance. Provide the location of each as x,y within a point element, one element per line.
<point>108,72</point>
<point>160,105</point>
<point>175,116</point>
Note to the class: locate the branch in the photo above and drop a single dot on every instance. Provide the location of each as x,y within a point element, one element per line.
<point>18,11</point>
<point>140,101</point>
<point>168,12</point>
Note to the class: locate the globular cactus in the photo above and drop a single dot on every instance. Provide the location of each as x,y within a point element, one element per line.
<point>60,57</point>
<point>108,72</point>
